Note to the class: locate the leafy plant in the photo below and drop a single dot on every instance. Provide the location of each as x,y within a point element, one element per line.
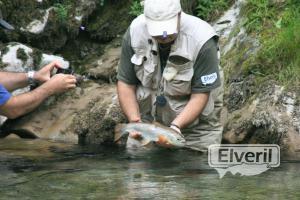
<point>136,8</point>
<point>258,13</point>
<point>211,9</point>
<point>279,55</point>
<point>61,11</point>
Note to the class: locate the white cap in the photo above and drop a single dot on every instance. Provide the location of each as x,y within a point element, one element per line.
<point>162,16</point>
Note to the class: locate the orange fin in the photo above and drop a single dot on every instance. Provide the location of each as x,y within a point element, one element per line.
<point>162,139</point>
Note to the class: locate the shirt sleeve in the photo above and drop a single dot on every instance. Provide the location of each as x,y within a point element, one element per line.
<point>206,68</point>
<point>126,72</point>
<point>4,95</point>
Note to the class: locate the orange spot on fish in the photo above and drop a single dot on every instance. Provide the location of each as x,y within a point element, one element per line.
<point>163,140</point>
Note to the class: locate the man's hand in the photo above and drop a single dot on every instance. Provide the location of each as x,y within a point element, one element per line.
<point>59,83</point>
<point>44,74</point>
<point>135,135</point>
<point>21,104</point>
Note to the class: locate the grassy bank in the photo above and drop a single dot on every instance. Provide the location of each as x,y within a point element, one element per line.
<point>277,25</point>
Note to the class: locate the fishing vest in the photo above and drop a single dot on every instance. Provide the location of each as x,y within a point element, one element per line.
<point>174,83</point>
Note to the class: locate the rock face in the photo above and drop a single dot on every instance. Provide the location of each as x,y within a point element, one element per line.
<point>109,21</point>
<point>270,118</point>
<point>105,68</point>
<point>90,111</point>
<point>46,25</point>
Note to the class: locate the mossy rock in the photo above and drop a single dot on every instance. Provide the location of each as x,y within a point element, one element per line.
<point>110,20</point>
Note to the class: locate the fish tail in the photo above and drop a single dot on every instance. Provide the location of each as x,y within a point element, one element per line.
<point>118,132</point>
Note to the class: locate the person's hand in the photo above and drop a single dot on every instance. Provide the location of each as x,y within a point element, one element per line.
<point>60,83</point>
<point>44,74</point>
<point>135,135</point>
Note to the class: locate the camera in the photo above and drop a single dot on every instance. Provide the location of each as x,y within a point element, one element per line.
<point>65,71</point>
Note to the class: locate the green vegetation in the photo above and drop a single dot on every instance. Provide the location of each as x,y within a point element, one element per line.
<point>206,9</point>
<point>258,14</point>
<point>136,8</point>
<point>62,11</point>
<point>278,27</point>
<point>211,9</point>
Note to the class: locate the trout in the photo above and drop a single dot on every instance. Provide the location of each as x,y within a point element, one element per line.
<point>151,133</point>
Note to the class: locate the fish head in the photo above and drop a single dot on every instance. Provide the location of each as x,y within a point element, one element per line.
<point>174,141</point>
<point>178,140</point>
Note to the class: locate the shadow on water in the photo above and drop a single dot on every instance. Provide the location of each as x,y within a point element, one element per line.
<point>38,169</point>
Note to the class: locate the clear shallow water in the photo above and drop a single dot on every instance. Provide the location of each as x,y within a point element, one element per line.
<point>38,169</point>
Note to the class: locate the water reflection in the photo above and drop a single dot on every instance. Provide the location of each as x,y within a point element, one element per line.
<point>38,169</point>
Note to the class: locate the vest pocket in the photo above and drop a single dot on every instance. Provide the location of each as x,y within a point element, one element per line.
<point>144,69</point>
<point>181,83</point>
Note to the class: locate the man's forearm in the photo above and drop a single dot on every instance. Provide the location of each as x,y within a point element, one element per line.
<point>128,101</point>
<point>12,81</point>
<point>192,110</point>
<point>24,103</point>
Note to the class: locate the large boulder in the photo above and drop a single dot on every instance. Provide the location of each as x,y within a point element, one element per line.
<point>17,57</point>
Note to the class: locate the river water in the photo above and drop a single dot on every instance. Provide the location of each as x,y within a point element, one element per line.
<point>39,169</point>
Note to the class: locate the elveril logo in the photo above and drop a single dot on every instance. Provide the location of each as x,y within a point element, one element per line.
<point>246,160</point>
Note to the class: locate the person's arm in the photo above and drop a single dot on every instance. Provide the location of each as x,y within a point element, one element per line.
<point>192,110</point>
<point>127,82</point>
<point>21,104</point>
<point>206,65</point>
<point>12,81</point>
<point>128,101</point>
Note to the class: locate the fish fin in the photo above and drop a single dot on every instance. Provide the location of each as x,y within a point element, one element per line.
<point>118,132</point>
<point>145,142</point>
<point>162,139</point>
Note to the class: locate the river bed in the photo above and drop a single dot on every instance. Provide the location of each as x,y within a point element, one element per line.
<point>40,169</point>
